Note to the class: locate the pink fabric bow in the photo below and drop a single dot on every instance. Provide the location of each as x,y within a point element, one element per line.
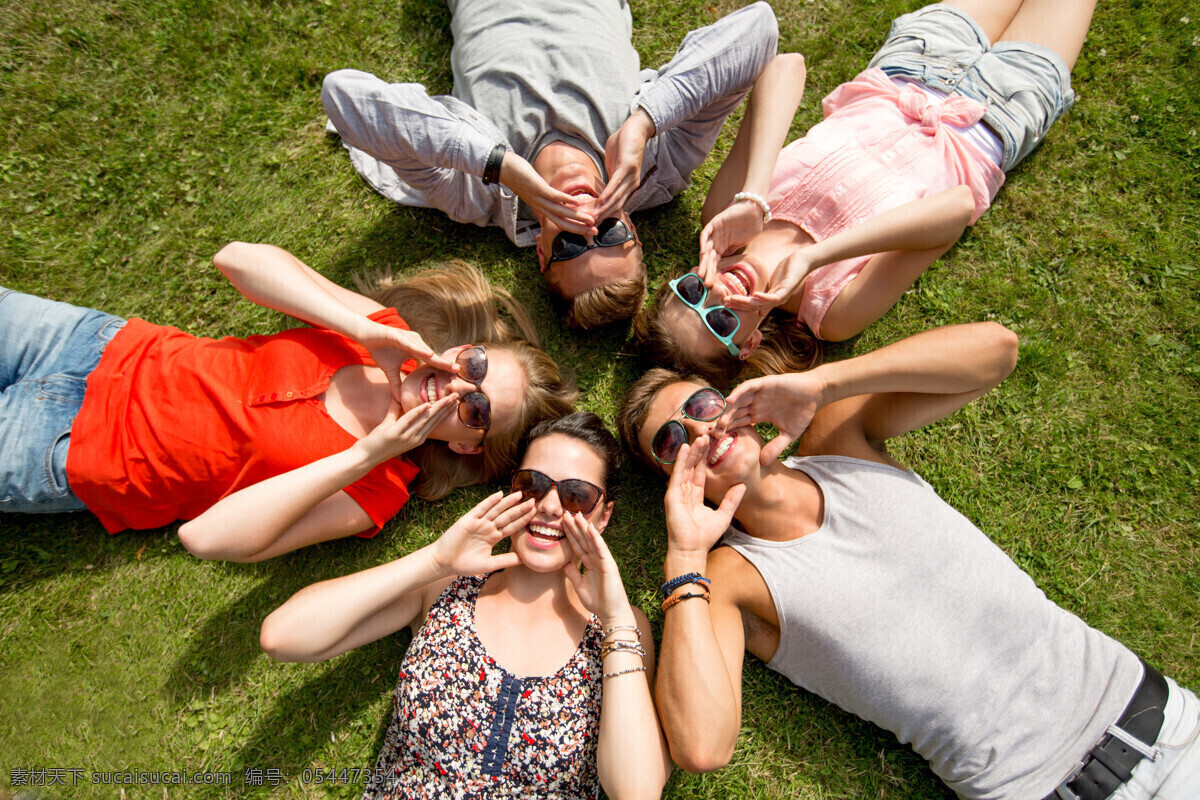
<point>957,110</point>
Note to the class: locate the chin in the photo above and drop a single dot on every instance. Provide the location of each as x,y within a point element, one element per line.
<point>538,559</point>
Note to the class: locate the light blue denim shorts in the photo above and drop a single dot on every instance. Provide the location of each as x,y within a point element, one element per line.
<point>47,351</point>
<point>1026,86</point>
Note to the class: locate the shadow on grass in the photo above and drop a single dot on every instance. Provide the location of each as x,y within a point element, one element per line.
<point>302,720</point>
<point>39,547</point>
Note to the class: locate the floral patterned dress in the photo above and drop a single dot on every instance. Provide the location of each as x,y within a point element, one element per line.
<point>464,727</point>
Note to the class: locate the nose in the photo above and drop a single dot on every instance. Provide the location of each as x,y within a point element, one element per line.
<point>549,506</point>
<point>460,385</point>
<point>696,428</point>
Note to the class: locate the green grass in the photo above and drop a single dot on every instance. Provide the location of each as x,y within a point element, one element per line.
<point>139,137</point>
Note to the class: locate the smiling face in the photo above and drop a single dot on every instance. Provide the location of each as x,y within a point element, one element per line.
<point>543,546</point>
<point>730,459</point>
<point>739,275</point>
<point>504,386</point>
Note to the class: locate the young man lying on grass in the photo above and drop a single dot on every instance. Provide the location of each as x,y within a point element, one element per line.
<point>848,574</point>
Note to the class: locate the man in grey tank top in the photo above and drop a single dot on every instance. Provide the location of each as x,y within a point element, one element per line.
<point>553,133</point>
<point>831,578</point>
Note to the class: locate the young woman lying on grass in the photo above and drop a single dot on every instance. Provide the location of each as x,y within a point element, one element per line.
<point>144,424</point>
<point>499,692</point>
<point>837,226</point>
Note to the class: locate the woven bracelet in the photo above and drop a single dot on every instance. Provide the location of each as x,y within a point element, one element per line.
<point>679,598</point>
<point>691,577</point>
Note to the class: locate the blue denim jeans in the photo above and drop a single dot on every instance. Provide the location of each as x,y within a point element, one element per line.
<point>47,351</point>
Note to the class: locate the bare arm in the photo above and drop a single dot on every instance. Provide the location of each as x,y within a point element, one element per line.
<point>896,389</point>
<point>307,504</point>
<point>274,278</point>
<point>632,758</point>
<point>332,617</point>
<point>700,670</point>
<point>761,136</point>
<point>933,222</point>
<point>764,128</point>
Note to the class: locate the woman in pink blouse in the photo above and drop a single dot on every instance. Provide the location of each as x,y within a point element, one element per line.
<point>833,228</point>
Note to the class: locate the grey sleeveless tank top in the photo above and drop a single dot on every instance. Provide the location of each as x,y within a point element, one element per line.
<point>901,611</point>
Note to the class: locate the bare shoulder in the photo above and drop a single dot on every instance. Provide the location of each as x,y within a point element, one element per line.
<point>837,430</point>
<point>741,590</point>
<point>430,593</point>
<point>735,580</point>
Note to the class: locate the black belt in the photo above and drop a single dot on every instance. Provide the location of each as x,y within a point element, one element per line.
<point>1110,763</point>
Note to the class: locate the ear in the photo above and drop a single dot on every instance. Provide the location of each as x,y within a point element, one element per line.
<point>605,515</point>
<point>751,344</point>
<point>465,449</point>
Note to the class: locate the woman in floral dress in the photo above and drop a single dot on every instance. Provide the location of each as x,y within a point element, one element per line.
<point>500,692</point>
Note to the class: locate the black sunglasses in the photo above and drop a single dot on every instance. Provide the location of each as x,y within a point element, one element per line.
<point>574,495</point>
<point>609,233</point>
<point>474,408</point>
<point>704,405</point>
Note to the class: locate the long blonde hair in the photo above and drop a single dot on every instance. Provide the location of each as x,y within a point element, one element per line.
<point>455,304</point>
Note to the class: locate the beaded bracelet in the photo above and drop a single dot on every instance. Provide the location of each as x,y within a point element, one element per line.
<point>622,646</point>
<point>610,631</point>
<point>679,598</point>
<point>758,200</point>
<point>624,672</point>
<point>691,577</point>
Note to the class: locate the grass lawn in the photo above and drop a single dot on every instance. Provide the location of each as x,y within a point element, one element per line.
<point>142,135</point>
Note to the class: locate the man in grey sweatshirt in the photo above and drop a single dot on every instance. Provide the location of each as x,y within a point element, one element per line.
<point>553,133</point>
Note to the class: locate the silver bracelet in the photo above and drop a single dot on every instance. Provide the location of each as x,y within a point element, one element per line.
<point>624,672</point>
<point>758,200</point>
<point>610,631</point>
<point>622,646</point>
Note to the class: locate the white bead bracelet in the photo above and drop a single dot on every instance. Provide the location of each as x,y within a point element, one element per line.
<point>758,200</point>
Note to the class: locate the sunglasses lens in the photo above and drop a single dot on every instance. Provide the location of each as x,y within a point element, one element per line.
<point>704,405</point>
<point>611,232</point>
<point>472,364</point>
<point>475,411</point>
<point>722,321</point>
<point>568,245</point>
<point>691,288</point>
<point>667,441</point>
<point>530,484</point>
<point>578,497</point>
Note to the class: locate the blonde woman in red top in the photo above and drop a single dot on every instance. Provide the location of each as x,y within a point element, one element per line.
<point>144,424</point>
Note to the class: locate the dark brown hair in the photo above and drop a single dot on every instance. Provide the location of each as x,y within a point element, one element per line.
<point>589,429</point>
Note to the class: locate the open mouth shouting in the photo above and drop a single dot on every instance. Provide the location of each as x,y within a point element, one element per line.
<point>738,280</point>
<point>721,448</point>
<point>543,536</point>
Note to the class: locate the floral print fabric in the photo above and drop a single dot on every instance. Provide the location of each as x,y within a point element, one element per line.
<point>464,727</point>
